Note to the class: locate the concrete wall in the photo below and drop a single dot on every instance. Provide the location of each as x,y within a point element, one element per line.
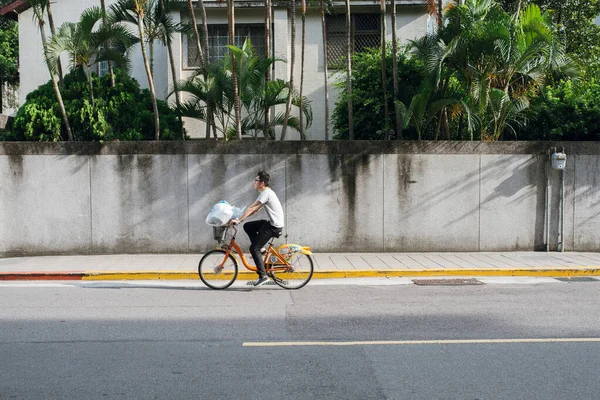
<point>338,196</point>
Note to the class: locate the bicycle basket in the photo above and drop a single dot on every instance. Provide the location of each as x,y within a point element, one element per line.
<point>219,232</point>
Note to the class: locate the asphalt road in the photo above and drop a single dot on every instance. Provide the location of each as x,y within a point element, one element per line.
<point>331,342</point>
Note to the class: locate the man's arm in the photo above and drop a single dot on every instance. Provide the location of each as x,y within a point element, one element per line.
<point>253,209</point>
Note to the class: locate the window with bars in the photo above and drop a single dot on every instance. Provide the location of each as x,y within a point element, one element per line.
<point>102,68</point>
<point>364,32</point>
<point>218,38</point>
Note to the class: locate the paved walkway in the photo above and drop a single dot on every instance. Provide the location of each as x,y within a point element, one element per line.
<point>327,265</point>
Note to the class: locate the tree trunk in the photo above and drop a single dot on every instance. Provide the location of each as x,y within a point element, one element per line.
<point>61,104</point>
<point>177,94</point>
<point>398,116</point>
<point>302,135</point>
<point>88,73</point>
<point>200,57</point>
<point>173,72</point>
<point>236,94</point>
<point>150,79</point>
<point>518,10</point>
<point>288,106</point>
<point>1,93</point>
<point>203,55</point>
<point>446,125</point>
<point>268,12</point>
<point>204,31</point>
<point>110,67</point>
<point>151,50</point>
<point>438,126</point>
<point>209,107</point>
<point>53,31</point>
<point>349,71</point>
<point>386,122</point>
<point>324,29</point>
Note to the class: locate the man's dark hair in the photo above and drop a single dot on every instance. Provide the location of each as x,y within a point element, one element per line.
<point>264,177</point>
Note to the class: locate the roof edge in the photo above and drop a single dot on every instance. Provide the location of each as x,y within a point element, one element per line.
<point>12,10</point>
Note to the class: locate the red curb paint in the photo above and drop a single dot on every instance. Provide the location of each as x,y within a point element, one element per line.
<point>42,276</point>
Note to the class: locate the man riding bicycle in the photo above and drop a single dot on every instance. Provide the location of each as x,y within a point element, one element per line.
<point>261,231</point>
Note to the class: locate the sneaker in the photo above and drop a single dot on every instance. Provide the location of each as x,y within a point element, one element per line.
<point>261,281</point>
<point>263,250</point>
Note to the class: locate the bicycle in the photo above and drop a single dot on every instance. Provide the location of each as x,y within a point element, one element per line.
<point>289,266</point>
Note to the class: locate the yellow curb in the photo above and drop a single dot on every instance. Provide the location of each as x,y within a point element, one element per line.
<point>554,272</point>
<point>248,275</point>
<point>152,275</point>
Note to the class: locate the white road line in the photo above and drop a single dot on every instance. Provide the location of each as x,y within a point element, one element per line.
<point>423,342</point>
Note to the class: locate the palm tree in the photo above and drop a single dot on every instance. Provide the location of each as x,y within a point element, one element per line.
<point>302,135</point>
<point>268,11</point>
<point>288,106</point>
<point>383,65</point>
<point>86,43</point>
<point>397,113</point>
<point>39,7</point>
<point>105,22</point>
<point>349,71</point>
<point>134,12</point>
<point>202,55</point>
<point>326,83</point>
<point>168,29</point>
<point>211,119</point>
<point>497,61</point>
<point>256,94</point>
<point>236,93</point>
<point>152,28</point>
<point>53,32</point>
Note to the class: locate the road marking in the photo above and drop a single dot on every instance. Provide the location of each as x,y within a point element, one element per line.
<point>422,342</point>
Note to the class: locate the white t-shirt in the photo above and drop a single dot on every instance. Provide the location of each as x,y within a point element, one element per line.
<point>271,203</point>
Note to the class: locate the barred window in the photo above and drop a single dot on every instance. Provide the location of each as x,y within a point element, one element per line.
<point>218,39</point>
<point>102,68</point>
<point>364,32</point>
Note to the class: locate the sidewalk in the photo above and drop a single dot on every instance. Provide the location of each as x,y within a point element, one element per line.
<point>327,265</point>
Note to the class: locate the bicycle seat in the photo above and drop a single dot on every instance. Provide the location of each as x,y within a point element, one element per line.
<point>277,235</point>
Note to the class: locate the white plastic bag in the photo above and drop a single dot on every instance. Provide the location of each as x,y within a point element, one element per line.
<point>237,212</point>
<point>220,214</point>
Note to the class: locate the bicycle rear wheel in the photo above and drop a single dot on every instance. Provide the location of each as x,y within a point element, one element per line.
<point>216,271</point>
<point>297,274</point>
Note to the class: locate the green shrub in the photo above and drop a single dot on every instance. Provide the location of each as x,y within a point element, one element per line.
<point>367,94</point>
<point>566,111</point>
<point>120,113</point>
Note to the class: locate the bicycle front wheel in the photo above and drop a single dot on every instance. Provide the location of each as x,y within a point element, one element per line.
<point>216,270</point>
<point>297,274</point>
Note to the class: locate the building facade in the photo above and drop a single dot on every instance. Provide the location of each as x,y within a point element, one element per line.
<point>412,22</point>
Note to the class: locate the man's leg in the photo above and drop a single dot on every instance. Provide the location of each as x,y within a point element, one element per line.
<point>252,228</point>
<point>265,233</point>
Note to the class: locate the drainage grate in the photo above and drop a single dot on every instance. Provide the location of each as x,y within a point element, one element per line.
<point>447,282</point>
<point>578,279</point>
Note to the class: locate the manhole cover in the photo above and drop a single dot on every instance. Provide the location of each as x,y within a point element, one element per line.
<point>447,282</point>
<point>579,279</point>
